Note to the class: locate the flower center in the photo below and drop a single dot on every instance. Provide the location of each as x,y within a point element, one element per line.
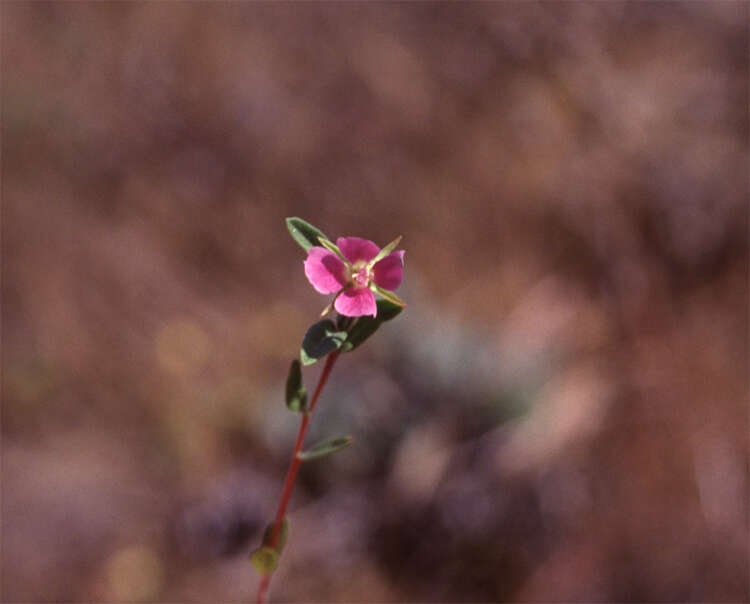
<point>359,274</point>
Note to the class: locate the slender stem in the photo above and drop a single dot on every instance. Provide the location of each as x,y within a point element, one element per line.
<point>294,465</point>
<point>263,588</point>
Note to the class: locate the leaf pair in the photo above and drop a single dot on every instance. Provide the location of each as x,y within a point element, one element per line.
<point>324,336</point>
<point>321,339</point>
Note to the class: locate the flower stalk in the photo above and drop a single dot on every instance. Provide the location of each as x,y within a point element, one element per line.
<point>294,464</point>
<point>354,270</point>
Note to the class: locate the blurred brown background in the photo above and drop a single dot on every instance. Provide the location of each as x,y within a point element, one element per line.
<point>560,414</point>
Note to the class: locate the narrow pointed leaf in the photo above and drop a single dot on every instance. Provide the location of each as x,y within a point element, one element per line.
<point>320,340</point>
<point>265,560</point>
<point>280,540</point>
<point>325,448</point>
<point>332,247</point>
<point>385,251</point>
<point>366,326</point>
<point>296,393</point>
<point>304,233</point>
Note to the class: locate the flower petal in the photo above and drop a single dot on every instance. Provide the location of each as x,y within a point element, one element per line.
<point>324,270</point>
<point>355,302</point>
<point>356,249</point>
<point>389,271</point>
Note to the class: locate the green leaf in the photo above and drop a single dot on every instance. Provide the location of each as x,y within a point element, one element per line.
<point>325,448</point>
<point>303,232</point>
<point>366,326</point>
<point>320,340</point>
<point>296,393</point>
<point>332,247</point>
<point>384,252</point>
<point>265,560</point>
<point>387,310</point>
<point>281,539</point>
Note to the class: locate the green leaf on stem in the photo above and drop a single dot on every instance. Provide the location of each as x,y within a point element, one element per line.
<point>366,326</point>
<point>321,339</point>
<point>265,560</point>
<point>304,233</point>
<point>280,540</point>
<point>296,393</point>
<point>325,448</point>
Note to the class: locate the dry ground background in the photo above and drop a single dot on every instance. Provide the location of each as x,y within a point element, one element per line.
<point>561,413</point>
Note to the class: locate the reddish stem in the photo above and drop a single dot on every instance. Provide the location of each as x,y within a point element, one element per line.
<point>294,465</point>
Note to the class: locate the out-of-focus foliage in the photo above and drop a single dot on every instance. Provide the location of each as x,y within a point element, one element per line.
<point>559,415</point>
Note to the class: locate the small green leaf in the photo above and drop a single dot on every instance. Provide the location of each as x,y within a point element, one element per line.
<point>265,560</point>
<point>388,295</point>
<point>296,393</point>
<point>387,310</point>
<point>280,540</point>
<point>384,252</point>
<point>324,448</point>
<point>303,232</point>
<point>366,326</point>
<point>320,340</point>
<point>332,247</point>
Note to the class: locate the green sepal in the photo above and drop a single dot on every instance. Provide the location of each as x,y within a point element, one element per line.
<point>265,560</point>
<point>325,448</point>
<point>366,326</point>
<point>329,308</point>
<point>321,339</point>
<point>332,247</point>
<point>385,251</point>
<point>296,393</point>
<point>388,295</point>
<point>280,540</point>
<point>303,232</point>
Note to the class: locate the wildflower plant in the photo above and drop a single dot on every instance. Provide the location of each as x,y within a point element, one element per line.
<point>356,271</point>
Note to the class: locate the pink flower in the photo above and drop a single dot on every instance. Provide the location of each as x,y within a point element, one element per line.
<point>353,269</point>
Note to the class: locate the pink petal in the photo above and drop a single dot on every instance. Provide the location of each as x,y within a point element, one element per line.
<point>325,272</point>
<point>355,249</point>
<point>389,271</point>
<point>355,302</point>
